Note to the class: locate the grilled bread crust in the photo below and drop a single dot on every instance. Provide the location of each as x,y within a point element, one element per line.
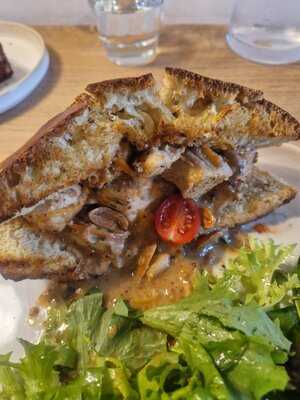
<point>241,116</point>
<point>189,109</point>
<point>27,253</point>
<point>259,195</point>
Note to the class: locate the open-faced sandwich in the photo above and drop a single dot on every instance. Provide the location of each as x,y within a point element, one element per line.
<point>133,175</point>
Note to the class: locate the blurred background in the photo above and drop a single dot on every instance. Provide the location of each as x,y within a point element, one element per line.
<point>78,12</point>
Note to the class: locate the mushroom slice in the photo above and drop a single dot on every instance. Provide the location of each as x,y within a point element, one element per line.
<point>144,260</point>
<point>105,217</point>
<point>162,262</point>
<point>100,238</point>
<point>113,197</point>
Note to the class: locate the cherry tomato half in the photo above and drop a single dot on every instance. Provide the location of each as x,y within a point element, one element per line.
<point>177,220</point>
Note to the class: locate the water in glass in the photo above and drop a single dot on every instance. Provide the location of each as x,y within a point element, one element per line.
<point>266,31</point>
<point>129,29</point>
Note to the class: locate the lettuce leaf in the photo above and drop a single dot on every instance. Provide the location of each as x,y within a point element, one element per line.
<point>250,319</point>
<point>255,375</point>
<point>167,377</point>
<point>138,347</point>
<point>116,384</point>
<point>75,326</point>
<point>83,320</point>
<point>287,317</point>
<point>111,327</point>
<point>11,381</point>
<point>201,362</point>
<point>121,335</point>
<point>37,369</point>
<point>256,267</point>
<point>234,356</point>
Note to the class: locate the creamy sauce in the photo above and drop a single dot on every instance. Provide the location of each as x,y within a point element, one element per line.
<point>168,287</point>
<point>143,293</point>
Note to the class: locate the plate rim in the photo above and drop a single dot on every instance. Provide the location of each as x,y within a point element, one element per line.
<point>32,31</point>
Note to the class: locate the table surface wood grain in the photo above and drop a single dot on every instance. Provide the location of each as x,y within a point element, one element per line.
<point>77,58</point>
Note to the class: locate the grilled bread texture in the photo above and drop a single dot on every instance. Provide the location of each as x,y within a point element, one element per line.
<point>188,109</point>
<point>210,110</point>
<point>25,253</point>
<point>79,197</point>
<point>258,196</point>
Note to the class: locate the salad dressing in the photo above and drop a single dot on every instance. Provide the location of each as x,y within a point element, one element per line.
<point>168,287</point>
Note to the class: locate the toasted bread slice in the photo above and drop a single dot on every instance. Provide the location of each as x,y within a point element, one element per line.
<point>223,113</point>
<point>27,253</point>
<point>84,139</point>
<point>258,196</point>
<point>65,151</point>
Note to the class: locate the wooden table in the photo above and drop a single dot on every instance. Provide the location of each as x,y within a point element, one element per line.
<point>77,58</point>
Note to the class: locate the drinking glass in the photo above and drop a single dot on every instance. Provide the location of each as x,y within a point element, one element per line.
<point>129,29</point>
<point>266,31</point>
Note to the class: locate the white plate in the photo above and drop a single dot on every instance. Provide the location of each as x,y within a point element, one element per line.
<point>28,56</point>
<point>17,298</point>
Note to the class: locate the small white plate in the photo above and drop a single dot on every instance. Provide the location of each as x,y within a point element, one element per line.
<point>28,56</point>
<point>16,298</point>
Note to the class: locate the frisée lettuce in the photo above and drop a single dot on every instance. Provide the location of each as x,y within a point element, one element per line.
<point>235,337</point>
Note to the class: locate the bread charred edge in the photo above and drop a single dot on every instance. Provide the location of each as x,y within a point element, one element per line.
<point>243,94</point>
<point>194,80</point>
<point>98,89</point>
<point>53,127</point>
<point>18,271</point>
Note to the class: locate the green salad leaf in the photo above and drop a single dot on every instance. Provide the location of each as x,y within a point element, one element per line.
<point>138,346</point>
<point>234,338</point>
<point>200,362</point>
<point>11,380</point>
<point>250,319</point>
<point>256,267</point>
<point>256,374</point>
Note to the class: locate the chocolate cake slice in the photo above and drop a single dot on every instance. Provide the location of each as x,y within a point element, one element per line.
<point>5,68</point>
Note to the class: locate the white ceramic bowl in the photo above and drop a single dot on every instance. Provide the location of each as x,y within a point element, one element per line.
<point>28,56</point>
